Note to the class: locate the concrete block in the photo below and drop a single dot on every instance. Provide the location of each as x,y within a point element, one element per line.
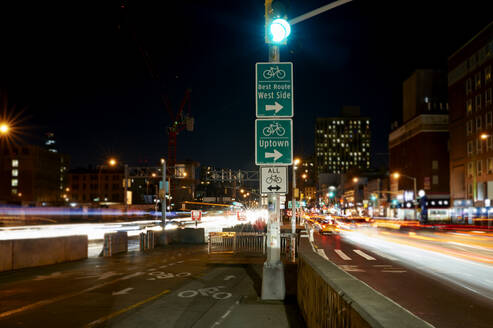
<point>5,255</point>
<point>37,252</point>
<point>75,248</point>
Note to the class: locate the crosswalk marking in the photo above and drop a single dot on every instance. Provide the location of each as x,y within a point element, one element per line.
<point>363,254</point>
<point>342,255</point>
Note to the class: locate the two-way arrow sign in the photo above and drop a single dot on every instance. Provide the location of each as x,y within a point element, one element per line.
<point>276,188</point>
<point>276,155</point>
<point>276,107</point>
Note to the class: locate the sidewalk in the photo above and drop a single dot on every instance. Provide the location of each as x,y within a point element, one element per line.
<point>227,295</point>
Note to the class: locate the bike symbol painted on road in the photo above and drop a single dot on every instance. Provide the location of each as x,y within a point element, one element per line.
<point>213,292</point>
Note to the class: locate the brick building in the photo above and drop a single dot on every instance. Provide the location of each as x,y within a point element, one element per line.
<point>418,149</point>
<point>470,97</point>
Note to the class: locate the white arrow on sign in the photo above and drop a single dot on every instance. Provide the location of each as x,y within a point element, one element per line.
<point>277,107</point>
<point>123,291</point>
<point>275,154</point>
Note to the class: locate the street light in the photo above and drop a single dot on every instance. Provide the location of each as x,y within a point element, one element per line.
<point>355,180</point>
<point>4,128</point>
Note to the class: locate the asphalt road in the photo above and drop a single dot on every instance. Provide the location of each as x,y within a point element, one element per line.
<point>406,279</point>
<point>165,287</point>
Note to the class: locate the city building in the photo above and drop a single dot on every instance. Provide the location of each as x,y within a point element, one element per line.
<point>471,120</point>
<point>103,184</point>
<point>32,175</point>
<point>418,148</point>
<point>342,143</point>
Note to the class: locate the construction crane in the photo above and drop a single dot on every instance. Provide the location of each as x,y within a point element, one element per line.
<point>179,122</point>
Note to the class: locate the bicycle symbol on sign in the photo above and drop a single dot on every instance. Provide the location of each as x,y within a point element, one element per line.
<point>274,71</point>
<point>273,128</point>
<point>273,178</point>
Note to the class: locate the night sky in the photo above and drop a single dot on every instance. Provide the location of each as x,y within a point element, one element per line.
<point>94,73</point>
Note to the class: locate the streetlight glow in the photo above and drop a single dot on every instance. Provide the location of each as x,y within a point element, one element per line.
<point>355,179</point>
<point>484,136</point>
<point>112,162</point>
<point>396,175</point>
<point>4,128</point>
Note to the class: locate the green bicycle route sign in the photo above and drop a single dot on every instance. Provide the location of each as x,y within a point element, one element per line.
<point>274,142</point>
<point>274,89</point>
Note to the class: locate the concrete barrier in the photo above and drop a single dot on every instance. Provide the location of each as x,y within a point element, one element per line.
<point>330,297</point>
<point>25,253</point>
<point>115,243</point>
<point>5,255</point>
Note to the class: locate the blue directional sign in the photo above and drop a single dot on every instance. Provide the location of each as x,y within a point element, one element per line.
<point>274,142</point>
<point>274,89</point>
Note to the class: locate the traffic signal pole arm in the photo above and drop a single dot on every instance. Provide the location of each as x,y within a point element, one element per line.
<point>318,11</point>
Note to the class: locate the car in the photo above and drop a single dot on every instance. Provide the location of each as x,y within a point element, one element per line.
<point>328,226</point>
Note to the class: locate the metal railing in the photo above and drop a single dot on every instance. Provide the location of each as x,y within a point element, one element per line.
<point>250,243</point>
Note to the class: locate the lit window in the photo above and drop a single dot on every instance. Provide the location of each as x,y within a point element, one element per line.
<point>15,182</point>
<point>470,169</point>
<point>15,163</point>
<point>469,106</point>
<point>477,79</point>
<point>15,172</point>
<point>434,165</point>
<point>487,74</point>
<point>479,167</point>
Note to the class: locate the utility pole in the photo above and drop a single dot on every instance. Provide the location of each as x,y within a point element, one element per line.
<point>163,200</point>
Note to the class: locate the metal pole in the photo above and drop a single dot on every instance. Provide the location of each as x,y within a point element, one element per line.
<point>125,188</point>
<point>317,11</point>
<point>293,202</point>
<point>415,200</point>
<point>273,286</point>
<point>163,200</point>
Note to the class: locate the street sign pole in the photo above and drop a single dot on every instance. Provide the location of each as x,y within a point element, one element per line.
<point>273,286</point>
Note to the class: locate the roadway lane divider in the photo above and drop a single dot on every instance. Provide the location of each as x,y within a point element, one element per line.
<point>330,297</point>
<point>342,255</point>
<point>363,254</point>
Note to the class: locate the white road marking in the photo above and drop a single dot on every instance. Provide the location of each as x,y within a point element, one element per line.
<point>394,271</point>
<point>106,275</point>
<point>322,254</point>
<point>53,275</point>
<point>226,314</point>
<point>229,277</point>
<point>342,255</point>
<point>122,292</point>
<point>363,254</point>
<point>351,268</point>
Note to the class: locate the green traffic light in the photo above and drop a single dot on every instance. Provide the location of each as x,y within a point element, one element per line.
<point>280,30</point>
<point>331,194</point>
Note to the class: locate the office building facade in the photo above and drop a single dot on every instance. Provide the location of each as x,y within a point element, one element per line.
<point>342,143</point>
<point>471,119</point>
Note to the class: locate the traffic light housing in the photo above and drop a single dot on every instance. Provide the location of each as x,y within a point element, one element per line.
<point>277,28</point>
